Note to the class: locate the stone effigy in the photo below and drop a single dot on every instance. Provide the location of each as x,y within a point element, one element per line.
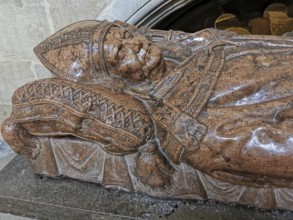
<point>205,115</point>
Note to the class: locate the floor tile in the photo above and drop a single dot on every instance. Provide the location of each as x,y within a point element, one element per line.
<point>133,205</point>
<point>4,216</point>
<point>101,216</point>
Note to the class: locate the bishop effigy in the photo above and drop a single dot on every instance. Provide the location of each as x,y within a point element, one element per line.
<point>205,115</point>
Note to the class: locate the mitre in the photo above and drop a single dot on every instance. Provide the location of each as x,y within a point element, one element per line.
<point>76,52</point>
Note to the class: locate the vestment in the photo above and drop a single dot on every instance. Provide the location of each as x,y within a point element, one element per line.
<point>237,91</point>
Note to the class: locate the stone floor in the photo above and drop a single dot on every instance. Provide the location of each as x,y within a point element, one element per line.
<point>4,216</point>
<point>24,194</point>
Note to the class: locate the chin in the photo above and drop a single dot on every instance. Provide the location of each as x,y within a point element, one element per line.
<point>158,72</point>
<point>155,64</point>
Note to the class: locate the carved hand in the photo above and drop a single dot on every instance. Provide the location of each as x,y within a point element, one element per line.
<point>114,84</point>
<point>20,140</point>
<point>152,168</point>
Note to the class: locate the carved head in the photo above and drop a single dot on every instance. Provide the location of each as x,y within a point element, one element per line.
<point>132,56</point>
<point>89,51</point>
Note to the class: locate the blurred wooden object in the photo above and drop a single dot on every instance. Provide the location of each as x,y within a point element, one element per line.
<point>260,26</point>
<point>280,23</point>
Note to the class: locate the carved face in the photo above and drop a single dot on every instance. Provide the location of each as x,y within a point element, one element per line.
<point>132,56</point>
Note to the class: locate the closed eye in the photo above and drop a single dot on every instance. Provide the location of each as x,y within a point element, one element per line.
<point>121,54</point>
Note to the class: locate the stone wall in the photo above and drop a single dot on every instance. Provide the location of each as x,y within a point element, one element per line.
<point>24,24</point>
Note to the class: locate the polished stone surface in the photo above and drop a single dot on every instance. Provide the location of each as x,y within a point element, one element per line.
<point>213,125</point>
<point>24,193</point>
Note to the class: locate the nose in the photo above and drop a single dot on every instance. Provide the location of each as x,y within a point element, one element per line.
<point>134,43</point>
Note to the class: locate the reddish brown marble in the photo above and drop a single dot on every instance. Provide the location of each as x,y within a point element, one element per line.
<point>205,115</point>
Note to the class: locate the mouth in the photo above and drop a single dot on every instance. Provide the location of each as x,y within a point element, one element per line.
<point>153,62</point>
